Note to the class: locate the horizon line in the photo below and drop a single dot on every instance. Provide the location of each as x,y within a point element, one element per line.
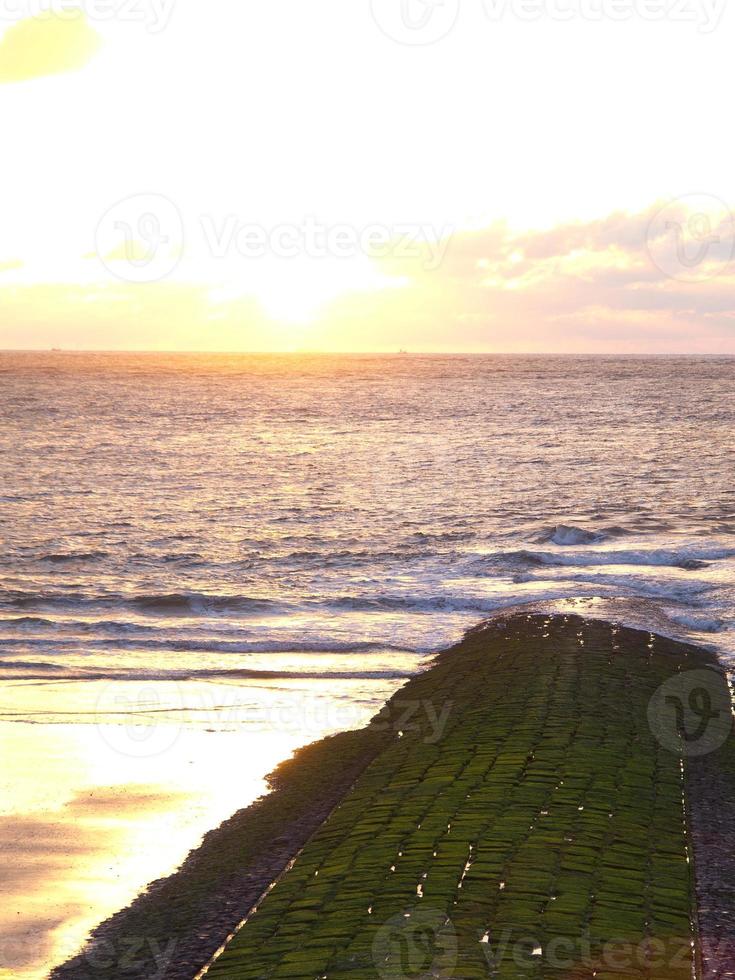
<point>367,353</point>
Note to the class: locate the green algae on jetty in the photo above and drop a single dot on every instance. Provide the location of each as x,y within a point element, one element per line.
<point>516,811</point>
<point>543,834</point>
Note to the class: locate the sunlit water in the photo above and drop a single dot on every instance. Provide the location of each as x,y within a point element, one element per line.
<point>252,551</point>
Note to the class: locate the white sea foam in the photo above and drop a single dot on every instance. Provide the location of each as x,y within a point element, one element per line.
<point>699,624</point>
<point>686,556</point>
<point>564,535</point>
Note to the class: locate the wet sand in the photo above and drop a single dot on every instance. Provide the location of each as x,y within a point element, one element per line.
<point>107,787</point>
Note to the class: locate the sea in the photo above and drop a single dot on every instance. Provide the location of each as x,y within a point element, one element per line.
<point>207,540</point>
<point>179,515</point>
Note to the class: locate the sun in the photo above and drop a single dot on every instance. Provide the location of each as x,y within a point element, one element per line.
<point>296,291</point>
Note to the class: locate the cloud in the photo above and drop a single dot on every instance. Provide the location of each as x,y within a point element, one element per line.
<point>50,44</point>
<point>627,282</point>
<point>11,265</point>
<point>610,285</point>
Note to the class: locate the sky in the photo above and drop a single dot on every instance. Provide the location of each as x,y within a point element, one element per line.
<point>432,175</point>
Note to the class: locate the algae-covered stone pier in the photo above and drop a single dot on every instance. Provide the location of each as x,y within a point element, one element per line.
<point>552,799</point>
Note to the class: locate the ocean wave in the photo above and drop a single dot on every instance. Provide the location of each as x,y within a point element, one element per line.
<point>64,626</point>
<point>689,558</point>
<point>417,550</point>
<point>41,671</point>
<point>444,536</point>
<point>700,624</point>
<point>192,558</point>
<point>565,534</point>
<point>411,604</point>
<point>674,590</point>
<point>21,622</point>
<point>181,603</point>
<point>198,602</point>
<point>192,645</point>
<point>58,558</point>
<point>26,665</point>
